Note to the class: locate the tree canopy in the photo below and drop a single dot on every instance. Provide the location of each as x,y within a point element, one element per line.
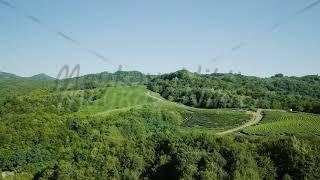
<point>238,91</point>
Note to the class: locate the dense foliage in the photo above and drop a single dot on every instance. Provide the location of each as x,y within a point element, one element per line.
<point>238,91</point>
<point>12,88</point>
<point>140,143</point>
<point>51,133</point>
<point>103,79</point>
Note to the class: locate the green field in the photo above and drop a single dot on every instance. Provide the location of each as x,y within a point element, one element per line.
<point>218,119</point>
<point>123,98</point>
<point>120,97</point>
<point>285,123</point>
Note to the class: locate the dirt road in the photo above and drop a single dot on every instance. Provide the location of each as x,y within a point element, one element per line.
<point>256,118</point>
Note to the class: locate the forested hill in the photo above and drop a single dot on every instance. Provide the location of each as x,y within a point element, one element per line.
<point>12,85</point>
<point>239,91</point>
<point>4,76</point>
<point>42,77</point>
<point>200,90</point>
<point>7,76</point>
<point>113,128</point>
<point>103,79</point>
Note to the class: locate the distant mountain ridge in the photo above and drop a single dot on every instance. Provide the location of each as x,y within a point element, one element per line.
<point>10,76</point>
<point>42,77</point>
<point>7,76</point>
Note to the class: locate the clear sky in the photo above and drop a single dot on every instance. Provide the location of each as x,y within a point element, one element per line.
<point>158,36</point>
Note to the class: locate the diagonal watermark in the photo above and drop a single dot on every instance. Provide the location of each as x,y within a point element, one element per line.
<point>272,29</point>
<point>61,34</point>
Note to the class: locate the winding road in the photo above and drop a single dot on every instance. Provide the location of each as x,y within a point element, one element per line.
<point>154,97</point>
<point>256,118</point>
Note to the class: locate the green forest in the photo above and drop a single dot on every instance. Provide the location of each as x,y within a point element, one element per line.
<point>238,91</point>
<point>127,125</point>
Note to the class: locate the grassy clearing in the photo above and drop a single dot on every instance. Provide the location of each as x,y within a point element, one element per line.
<point>214,119</point>
<point>124,98</point>
<point>120,97</point>
<point>285,123</point>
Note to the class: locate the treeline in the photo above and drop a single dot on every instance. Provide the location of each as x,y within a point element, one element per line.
<point>238,91</point>
<point>45,100</point>
<point>92,81</point>
<point>16,87</point>
<point>44,136</point>
<point>12,85</point>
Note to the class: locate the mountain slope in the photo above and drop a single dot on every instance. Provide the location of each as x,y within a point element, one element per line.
<point>8,76</point>
<point>42,77</point>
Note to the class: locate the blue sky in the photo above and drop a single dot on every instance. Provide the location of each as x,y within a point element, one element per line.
<point>161,36</point>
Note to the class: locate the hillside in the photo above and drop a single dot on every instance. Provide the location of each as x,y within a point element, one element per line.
<point>20,86</point>
<point>42,77</point>
<point>119,98</point>
<point>124,98</point>
<point>8,76</point>
<point>104,79</point>
<point>233,94</point>
<point>285,123</point>
<point>238,91</point>
<point>114,127</point>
